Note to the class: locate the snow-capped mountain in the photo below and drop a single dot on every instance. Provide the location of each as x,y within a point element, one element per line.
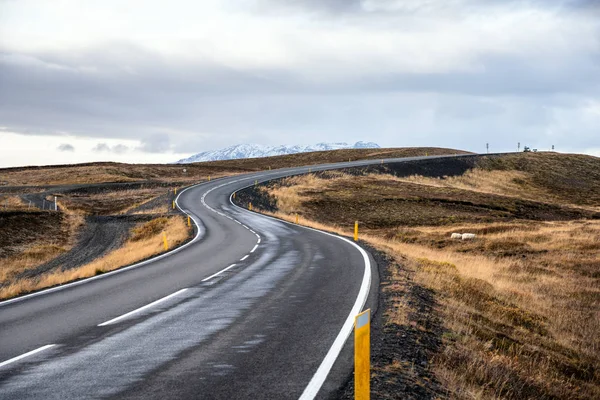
<point>257,150</point>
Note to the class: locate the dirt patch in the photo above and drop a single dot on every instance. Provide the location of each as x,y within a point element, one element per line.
<point>100,235</point>
<point>19,229</point>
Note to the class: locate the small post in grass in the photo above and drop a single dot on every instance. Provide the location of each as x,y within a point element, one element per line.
<point>296,218</point>
<point>356,231</point>
<point>173,204</point>
<point>175,191</point>
<point>250,206</point>
<point>165,241</point>
<point>189,222</point>
<point>362,355</point>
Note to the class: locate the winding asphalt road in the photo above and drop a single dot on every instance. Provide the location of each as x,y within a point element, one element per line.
<point>252,308</point>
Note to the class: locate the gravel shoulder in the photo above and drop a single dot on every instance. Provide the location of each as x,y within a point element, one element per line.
<point>99,236</point>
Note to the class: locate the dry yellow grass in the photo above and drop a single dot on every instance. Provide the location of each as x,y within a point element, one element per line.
<point>30,257</point>
<point>521,303</point>
<point>500,182</point>
<point>12,203</point>
<point>162,209</point>
<point>111,172</point>
<point>146,246</point>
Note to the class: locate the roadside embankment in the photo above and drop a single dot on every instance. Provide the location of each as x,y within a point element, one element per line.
<point>512,313</point>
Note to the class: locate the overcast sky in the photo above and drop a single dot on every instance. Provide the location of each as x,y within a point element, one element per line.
<point>153,81</point>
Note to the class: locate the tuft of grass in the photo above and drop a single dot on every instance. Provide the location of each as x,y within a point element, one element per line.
<point>149,229</point>
<point>14,203</point>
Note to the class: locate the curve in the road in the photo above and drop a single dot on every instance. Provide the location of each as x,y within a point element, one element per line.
<point>250,323</point>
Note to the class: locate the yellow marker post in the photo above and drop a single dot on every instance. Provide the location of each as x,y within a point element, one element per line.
<point>269,167</point>
<point>173,204</point>
<point>356,231</point>
<point>175,191</point>
<point>165,241</point>
<point>256,182</point>
<point>362,356</point>
<point>189,222</point>
<point>425,154</point>
<point>250,206</point>
<point>209,178</point>
<point>296,218</point>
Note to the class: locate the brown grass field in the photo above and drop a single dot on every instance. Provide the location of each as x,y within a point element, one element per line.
<point>519,305</point>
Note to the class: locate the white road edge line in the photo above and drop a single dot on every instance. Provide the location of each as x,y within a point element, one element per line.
<point>219,273</point>
<point>22,356</point>
<point>316,382</point>
<point>112,321</point>
<point>243,258</point>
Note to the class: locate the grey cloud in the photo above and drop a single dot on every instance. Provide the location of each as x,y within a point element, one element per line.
<point>105,148</point>
<point>101,148</point>
<point>66,147</point>
<point>120,149</point>
<point>193,109</point>
<point>155,143</point>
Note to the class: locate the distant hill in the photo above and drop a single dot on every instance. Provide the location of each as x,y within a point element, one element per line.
<point>240,151</point>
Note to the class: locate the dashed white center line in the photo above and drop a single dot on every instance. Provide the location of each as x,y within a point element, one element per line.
<point>218,273</point>
<point>253,249</point>
<point>243,258</point>
<point>22,356</point>
<point>112,321</point>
